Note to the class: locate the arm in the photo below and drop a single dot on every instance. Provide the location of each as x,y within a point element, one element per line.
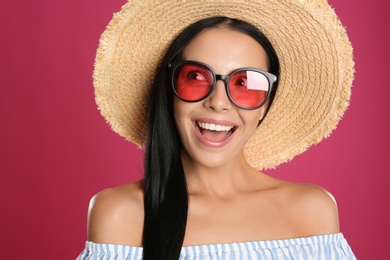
<point>314,210</point>
<point>116,216</point>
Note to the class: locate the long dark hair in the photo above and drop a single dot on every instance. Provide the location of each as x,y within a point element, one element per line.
<point>166,197</point>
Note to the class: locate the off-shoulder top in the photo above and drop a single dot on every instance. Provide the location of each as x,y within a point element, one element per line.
<point>331,246</point>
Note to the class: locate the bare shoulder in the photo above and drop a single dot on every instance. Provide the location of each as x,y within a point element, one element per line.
<point>116,215</point>
<point>311,208</point>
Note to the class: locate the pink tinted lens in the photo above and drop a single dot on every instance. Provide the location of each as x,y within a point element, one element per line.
<point>248,88</point>
<point>192,81</point>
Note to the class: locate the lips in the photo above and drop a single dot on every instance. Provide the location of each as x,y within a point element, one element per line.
<point>215,133</point>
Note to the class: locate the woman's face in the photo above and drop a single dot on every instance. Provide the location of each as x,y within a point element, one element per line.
<point>214,131</point>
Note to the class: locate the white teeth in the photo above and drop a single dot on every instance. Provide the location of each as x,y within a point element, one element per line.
<point>214,127</point>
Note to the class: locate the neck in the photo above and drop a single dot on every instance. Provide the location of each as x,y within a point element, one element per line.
<point>222,180</point>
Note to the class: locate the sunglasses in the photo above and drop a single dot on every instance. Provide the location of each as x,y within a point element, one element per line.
<point>247,88</point>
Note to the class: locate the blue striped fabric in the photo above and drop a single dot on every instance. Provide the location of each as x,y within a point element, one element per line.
<point>332,246</point>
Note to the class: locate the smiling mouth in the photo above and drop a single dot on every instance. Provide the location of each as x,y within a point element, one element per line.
<point>214,132</point>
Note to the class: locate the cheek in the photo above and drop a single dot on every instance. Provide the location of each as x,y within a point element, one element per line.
<point>176,114</point>
<point>252,117</point>
<point>182,111</point>
<point>178,109</point>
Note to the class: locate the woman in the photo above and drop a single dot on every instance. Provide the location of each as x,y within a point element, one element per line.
<point>205,134</point>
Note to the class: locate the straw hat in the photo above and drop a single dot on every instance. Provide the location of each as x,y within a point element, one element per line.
<point>314,51</point>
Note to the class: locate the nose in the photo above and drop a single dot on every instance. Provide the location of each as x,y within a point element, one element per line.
<point>218,100</point>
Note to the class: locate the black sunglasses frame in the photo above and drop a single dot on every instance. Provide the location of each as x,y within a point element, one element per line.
<point>172,66</point>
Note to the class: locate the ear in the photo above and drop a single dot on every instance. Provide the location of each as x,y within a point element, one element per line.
<point>264,110</point>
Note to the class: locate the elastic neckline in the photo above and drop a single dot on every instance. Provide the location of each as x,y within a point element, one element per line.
<point>225,247</point>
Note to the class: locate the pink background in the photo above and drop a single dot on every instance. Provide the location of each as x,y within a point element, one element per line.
<point>56,151</point>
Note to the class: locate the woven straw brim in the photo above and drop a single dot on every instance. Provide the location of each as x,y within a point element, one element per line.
<point>312,45</point>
